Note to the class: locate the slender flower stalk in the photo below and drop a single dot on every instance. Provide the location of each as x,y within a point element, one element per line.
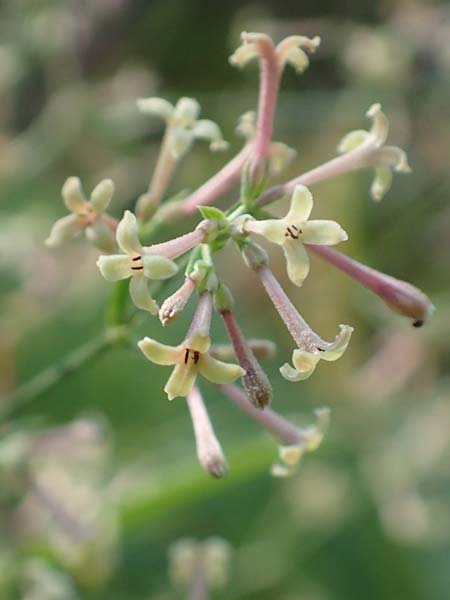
<point>294,440</point>
<point>255,381</point>
<point>209,450</point>
<point>311,347</point>
<point>218,184</point>
<point>400,296</point>
<point>359,149</point>
<point>268,92</point>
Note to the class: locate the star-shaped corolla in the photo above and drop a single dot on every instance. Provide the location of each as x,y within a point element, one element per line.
<point>374,153</point>
<point>294,230</point>
<point>290,50</point>
<point>135,263</point>
<point>189,358</point>
<point>86,215</point>
<point>311,349</point>
<point>183,124</point>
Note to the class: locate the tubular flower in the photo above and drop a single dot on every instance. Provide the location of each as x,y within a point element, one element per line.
<point>309,439</point>
<point>86,215</point>
<point>135,263</point>
<point>371,146</point>
<point>311,347</point>
<point>292,231</point>
<point>183,124</point>
<point>191,357</point>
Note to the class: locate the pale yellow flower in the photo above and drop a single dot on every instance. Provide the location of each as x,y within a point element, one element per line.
<point>294,230</point>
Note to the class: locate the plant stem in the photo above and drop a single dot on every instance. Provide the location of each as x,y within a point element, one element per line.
<point>50,377</point>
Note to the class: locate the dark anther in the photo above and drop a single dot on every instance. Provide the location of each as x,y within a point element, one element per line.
<point>196,357</point>
<point>293,232</point>
<point>321,349</point>
<point>137,258</point>
<point>418,323</point>
<point>137,268</point>
<point>186,356</point>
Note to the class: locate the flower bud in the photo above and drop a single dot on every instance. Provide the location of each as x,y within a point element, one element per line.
<point>254,255</point>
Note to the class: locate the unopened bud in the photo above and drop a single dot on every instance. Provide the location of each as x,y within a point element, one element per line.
<point>255,381</point>
<point>223,298</point>
<point>254,255</point>
<point>174,304</point>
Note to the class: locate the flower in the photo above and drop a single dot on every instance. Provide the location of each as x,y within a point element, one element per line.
<point>191,357</point>
<point>310,346</point>
<point>309,440</point>
<point>209,450</point>
<point>288,50</point>
<point>183,124</point>
<point>371,147</point>
<point>136,263</point>
<point>87,215</point>
<point>294,230</point>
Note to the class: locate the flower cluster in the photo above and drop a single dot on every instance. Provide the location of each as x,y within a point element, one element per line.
<point>128,257</point>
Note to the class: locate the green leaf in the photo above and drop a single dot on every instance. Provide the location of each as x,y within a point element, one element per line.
<point>211,212</point>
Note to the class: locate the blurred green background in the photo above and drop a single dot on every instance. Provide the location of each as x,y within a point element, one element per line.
<point>366,516</point>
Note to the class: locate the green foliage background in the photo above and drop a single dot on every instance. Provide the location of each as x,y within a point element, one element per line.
<point>368,515</point>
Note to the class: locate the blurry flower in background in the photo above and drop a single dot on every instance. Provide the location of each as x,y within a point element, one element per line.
<point>199,566</point>
<point>59,477</point>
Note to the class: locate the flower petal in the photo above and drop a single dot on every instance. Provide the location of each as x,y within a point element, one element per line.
<point>352,140</point>
<point>394,157</point>
<point>73,196</point>
<point>315,433</point>
<point>186,112</point>
<point>243,55</point>
<point>297,261</point>
<point>156,106</point>
<point>101,236</point>
<point>273,230</point>
<point>334,350</point>
<point>140,294</point>
<point>182,380</point>
<point>208,130</point>
<point>127,235</point>
<point>101,195</point>
<point>158,267</point>
<point>381,183</point>
<point>291,455</point>
<point>160,354</point>
<point>199,342</point>
<point>323,232</point>
<point>297,58</point>
<point>217,371</point>
<point>63,230</point>
<point>301,206</point>
<point>380,124</point>
<point>280,156</point>
<point>304,364</point>
<point>115,267</point>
